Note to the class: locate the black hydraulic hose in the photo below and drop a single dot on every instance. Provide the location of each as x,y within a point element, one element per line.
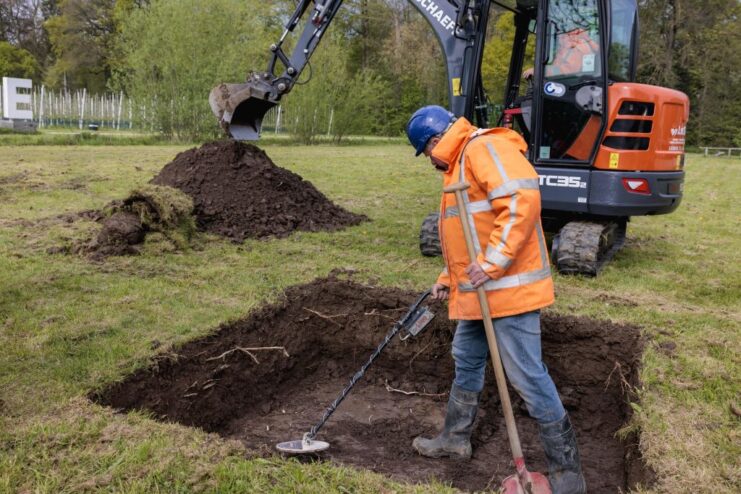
<point>358,375</point>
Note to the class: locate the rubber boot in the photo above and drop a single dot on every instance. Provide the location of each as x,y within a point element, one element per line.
<point>564,466</point>
<point>455,439</point>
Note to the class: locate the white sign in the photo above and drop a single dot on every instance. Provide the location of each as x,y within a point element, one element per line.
<point>17,104</point>
<point>587,63</point>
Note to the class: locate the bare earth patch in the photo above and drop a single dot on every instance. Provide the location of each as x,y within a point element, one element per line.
<point>329,328</point>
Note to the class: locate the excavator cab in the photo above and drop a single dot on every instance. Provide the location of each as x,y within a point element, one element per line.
<point>605,147</point>
<point>563,118</point>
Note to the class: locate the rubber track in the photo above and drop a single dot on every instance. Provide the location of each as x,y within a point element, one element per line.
<point>429,238</point>
<point>585,247</point>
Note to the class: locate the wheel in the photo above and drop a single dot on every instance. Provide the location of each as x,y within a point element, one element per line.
<point>429,238</point>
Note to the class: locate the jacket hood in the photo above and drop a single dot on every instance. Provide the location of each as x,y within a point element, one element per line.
<point>452,142</point>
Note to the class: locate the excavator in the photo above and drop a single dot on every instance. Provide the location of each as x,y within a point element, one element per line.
<point>605,147</point>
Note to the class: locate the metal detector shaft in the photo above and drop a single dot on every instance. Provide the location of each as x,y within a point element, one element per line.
<point>358,375</point>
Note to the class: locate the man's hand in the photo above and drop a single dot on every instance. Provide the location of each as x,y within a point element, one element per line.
<point>440,292</point>
<point>477,275</point>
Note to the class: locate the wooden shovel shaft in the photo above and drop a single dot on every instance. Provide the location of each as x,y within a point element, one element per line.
<point>509,417</point>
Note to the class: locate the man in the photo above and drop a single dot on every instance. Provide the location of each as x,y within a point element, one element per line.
<point>512,264</point>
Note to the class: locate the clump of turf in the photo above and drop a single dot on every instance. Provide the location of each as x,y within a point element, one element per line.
<point>161,209</point>
<point>152,217</point>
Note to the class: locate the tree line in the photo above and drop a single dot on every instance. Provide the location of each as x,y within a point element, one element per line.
<point>377,64</point>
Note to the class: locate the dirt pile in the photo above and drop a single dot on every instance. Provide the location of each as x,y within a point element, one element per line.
<point>328,329</point>
<point>239,193</point>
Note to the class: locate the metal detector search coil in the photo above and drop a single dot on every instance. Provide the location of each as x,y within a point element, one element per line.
<point>302,447</point>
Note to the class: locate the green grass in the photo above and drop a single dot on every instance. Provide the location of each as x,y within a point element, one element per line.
<point>68,326</point>
<point>108,137</point>
<point>72,137</point>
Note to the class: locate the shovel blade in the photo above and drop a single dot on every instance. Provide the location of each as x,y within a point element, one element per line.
<point>537,484</point>
<point>240,108</point>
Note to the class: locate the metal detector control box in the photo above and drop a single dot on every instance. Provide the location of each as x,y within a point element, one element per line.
<point>419,321</point>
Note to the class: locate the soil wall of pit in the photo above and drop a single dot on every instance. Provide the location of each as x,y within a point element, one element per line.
<point>329,328</point>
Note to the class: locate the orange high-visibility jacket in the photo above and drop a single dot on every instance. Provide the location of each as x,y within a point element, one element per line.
<point>504,210</point>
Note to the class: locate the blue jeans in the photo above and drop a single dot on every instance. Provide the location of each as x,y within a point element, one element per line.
<point>518,338</point>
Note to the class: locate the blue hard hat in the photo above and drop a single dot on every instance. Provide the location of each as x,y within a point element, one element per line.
<point>427,122</point>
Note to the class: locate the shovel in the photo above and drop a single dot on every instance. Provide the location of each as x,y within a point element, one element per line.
<point>523,482</point>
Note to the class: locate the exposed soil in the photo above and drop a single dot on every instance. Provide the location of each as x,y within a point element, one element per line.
<point>239,193</point>
<point>120,233</point>
<point>329,328</point>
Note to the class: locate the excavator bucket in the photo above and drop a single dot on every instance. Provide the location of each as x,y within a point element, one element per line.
<point>240,108</point>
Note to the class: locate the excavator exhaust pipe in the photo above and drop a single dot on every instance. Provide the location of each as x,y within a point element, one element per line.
<point>240,108</point>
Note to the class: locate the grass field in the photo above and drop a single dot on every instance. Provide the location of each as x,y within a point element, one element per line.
<point>68,326</point>
<point>65,136</point>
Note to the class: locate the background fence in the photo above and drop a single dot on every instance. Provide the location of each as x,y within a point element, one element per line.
<point>714,151</point>
<point>116,111</point>
<point>79,109</point>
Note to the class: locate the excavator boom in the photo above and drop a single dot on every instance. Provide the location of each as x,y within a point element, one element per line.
<point>460,27</point>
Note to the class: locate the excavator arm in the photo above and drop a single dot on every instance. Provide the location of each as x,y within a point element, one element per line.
<point>460,27</point>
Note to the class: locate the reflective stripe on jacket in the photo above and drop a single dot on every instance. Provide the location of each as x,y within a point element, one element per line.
<point>503,204</point>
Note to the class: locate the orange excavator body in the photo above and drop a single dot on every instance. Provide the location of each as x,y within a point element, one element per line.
<point>646,129</point>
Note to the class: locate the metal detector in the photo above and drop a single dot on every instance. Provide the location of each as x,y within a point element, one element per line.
<point>413,322</point>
